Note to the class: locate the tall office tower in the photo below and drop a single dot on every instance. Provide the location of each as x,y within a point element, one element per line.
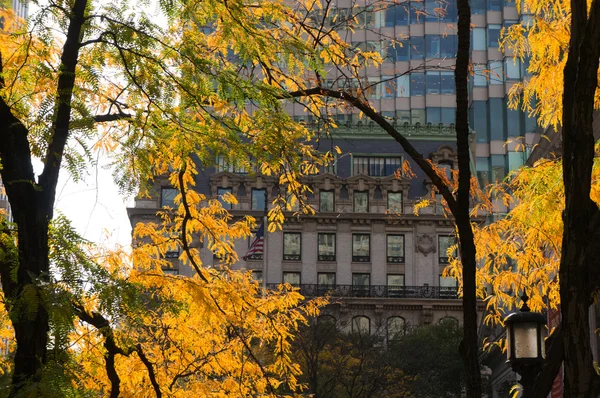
<point>364,245</point>
<point>21,8</point>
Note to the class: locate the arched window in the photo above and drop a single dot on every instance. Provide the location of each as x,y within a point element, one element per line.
<point>361,324</point>
<point>395,327</point>
<point>449,321</point>
<point>326,323</point>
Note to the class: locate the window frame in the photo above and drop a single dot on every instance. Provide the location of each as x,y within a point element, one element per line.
<point>443,259</point>
<point>361,258</point>
<point>298,273</point>
<point>399,210</point>
<point>361,290</point>
<point>332,192</point>
<point>399,334</point>
<point>395,259</point>
<point>225,205</point>
<point>356,194</point>
<point>264,190</point>
<point>171,203</point>
<point>328,286</point>
<point>356,327</point>
<point>288,256</point>
<point>326,257</point>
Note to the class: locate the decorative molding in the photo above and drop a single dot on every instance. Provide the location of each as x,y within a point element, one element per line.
<point>425,244</point>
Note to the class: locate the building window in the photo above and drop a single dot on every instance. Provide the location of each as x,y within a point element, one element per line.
<point>444,243</point>
<point>395,248</point>
<point>479,75</point>
<point>447,83</point>
<point>403,89</point>
<point>375,166</point>
<point>417,84</point>
<point>433,115</point>
<point>493,35</point>
<point>394,202</point>
<point>448,116</point>
<point>292,246</point>
<point>361,285</point>
<point>293,278</point>
<point>361,325</point>
<point>171,268</point>
<point>395,328</point>
<point>494,5</point>
<point>361,248</point>
<point>257,275</point>
<point>258,199</point>
<point>496,72</point>
<point>448,287</point>
<point>479,41</point>
<point>220,193</point>
<point>222,164</point>
<point>448,46</point>
<point>432,46</point>
<point>325,281</point>
<point>167,197</point>
<point>512,67</point>
<point>477,6</point>
<point>326,201</point>
<point>395,285</point>
<point>361,202</point>
<point>417,47</point>
<point>326,248</point>
<point>433,82</point>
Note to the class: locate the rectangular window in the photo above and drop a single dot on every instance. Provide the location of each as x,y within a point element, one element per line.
<point>417,116</point>
<point>326,247</point>
<point>448,46</point>
<point>395,285</point>
<point>361,202</point>
<point>477,6</point>
<point>292,246</point>
<point>433,82</point>
<point>167,197</point>
<point>512,67</point>
<point>402,14</point>
<point>451,13</point>
<point>361,248</point>
<point>373,87</point>
<point>479,75</point>
<point>222,164</point>
<point>434,115</point>
<point>326,280</point>
<point>417,12</point>
<point>479,42</point>
<point>496,72</point>
<point>326,201</point>
<point>417,84</point>
<point>417,47</point>
<point>496,119</point>
<point>403,83</point>
<point>494,5</point>
<point>293,278</point>
<point>258,199</point>
<point>432,46</point>
<point>389,87</point>
<point>395,248</point>
<point>257,275</point>
<point>361,284</point>
<point>448,116</point>
<point>394,202</point>
<point>493,35</point>
<point>220,193</point>
<point>448,287</point>
<point>444,243</point>
<point>375,166</point>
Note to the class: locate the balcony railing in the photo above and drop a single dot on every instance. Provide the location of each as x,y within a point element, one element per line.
<point>431,292</point>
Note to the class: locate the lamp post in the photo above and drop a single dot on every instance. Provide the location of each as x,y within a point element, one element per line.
<point>525,344</point>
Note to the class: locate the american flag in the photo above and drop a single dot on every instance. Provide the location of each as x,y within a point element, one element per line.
<point>258,243</point>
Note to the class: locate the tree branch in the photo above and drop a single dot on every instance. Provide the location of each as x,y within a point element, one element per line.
<point>151,373</point>
<point>64,95</point>
<point>384,124</point>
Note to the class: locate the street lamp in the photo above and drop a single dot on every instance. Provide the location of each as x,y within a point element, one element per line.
<point>525,344</point>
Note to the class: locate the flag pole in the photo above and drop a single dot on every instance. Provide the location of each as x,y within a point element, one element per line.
<point>265,246</point>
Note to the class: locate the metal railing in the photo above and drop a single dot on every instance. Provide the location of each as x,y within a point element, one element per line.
<point>384,291</point>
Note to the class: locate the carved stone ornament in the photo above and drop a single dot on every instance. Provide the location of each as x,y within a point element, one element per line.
<point>425,244</point>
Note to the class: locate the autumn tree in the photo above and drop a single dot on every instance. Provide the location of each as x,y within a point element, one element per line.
<point>84,73</point>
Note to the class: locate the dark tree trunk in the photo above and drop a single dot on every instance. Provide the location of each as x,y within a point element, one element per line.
<point>580,249</point>
<point>469,347</point>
